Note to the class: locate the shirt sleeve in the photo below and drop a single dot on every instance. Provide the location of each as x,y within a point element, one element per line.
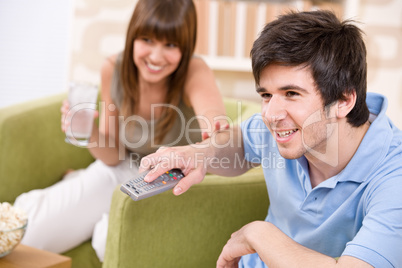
<point>256,138</point>
<point>379,240</point>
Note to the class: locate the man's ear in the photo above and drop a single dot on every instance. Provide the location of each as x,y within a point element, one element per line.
<point>346,105</point>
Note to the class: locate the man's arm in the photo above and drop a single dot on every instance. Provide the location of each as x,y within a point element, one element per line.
<point>277,250</point>
<point>218,154</point>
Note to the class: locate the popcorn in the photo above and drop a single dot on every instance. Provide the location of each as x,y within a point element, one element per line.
<point>10,218</point>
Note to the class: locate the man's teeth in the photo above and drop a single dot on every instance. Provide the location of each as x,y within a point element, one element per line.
<point>154,67</point>
<point>284,134</point>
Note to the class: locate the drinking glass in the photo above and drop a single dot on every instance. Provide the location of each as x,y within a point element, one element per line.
<point>82,99</point>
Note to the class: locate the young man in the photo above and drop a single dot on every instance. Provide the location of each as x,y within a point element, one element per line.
<point>338,193</point>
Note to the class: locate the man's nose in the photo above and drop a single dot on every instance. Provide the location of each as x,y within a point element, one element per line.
<point>275,110</point>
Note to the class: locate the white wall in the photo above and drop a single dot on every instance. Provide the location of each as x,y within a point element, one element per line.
<point>34,48</point>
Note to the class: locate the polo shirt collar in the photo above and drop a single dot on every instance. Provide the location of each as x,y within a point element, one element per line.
<point>370,153</point>
<point>375,144</point>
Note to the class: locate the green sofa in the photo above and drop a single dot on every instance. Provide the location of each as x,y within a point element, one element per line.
<point>163,231</point>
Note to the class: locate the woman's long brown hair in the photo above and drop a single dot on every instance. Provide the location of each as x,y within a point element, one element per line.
<point>166,20</point>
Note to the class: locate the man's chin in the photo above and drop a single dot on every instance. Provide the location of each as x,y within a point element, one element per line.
<point>290,155</point>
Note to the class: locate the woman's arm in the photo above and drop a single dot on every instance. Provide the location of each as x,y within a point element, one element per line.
<point>204,96</point>
<point>105,144</point>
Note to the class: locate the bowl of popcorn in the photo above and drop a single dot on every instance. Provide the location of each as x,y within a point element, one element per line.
<point>13,223</point>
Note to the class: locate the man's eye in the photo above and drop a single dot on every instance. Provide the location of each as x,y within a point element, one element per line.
<point>292,93</point>
<point>265,95</point>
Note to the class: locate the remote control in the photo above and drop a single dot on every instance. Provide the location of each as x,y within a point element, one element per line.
<point>138,189</point>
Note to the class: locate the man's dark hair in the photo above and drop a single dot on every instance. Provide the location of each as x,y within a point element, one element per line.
<point>334,51</point>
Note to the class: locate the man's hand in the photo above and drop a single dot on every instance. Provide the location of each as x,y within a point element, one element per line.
<point>195,160</point>
<point>190,159</point>
<point>276,249</point>
<point>239,244</point>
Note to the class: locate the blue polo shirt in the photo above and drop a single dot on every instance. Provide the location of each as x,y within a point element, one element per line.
<point>358,212</point>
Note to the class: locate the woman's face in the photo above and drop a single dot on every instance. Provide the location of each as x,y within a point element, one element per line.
<point>155,59</point>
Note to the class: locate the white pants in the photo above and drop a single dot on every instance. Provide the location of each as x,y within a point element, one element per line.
<point>75,209</point>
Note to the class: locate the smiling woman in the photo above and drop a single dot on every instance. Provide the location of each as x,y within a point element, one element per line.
<point>150,36</point>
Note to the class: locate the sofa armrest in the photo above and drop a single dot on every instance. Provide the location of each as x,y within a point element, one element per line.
<point>183,231</point>
<point>33,153</point>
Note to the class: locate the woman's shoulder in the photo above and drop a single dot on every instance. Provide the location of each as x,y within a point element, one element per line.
<point>108,77</point>
<point>197,69</point>
<point>197,62</point>
<point>200,80</point>
<point>108,68</point>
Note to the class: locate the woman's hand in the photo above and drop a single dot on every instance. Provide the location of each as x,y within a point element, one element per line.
<point>217,129</point>
<point>65,108</point>
<point>66,113</point>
